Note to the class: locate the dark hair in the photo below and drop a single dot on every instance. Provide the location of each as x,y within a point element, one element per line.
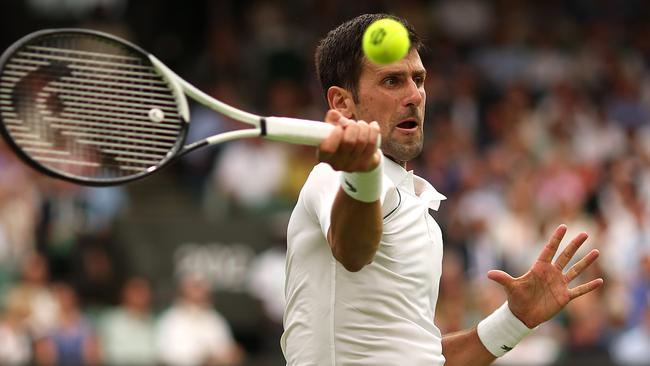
<point>339,55</point>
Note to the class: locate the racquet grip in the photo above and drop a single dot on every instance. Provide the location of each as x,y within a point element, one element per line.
<point>298,131</point>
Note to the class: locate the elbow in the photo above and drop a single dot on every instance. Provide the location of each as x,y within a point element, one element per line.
<point>353,266</point>
<point>354,261</point>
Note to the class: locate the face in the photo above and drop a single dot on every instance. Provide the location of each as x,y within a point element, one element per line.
<point>137,294</point>
<point>394,96</point>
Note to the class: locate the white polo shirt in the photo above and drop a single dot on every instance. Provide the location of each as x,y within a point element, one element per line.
<point>381,315</point>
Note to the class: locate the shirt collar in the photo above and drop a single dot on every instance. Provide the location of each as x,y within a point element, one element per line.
<point>413,184</point>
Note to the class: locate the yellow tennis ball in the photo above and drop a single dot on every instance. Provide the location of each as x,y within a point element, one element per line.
<point>385,41</point>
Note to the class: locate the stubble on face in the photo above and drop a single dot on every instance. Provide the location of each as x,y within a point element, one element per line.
<point>403,148</point>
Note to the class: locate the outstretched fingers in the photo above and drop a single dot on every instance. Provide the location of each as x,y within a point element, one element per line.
<point>551,247</point>
<point>570,250</point>
<point>576,269</point>
<point>585,288</point>
<point>582,264</point>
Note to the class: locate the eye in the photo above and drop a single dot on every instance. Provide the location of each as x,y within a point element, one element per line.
<point>419,80</point>
<point>390,81</point>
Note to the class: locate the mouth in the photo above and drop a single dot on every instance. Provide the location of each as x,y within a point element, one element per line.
<point>408,125</point>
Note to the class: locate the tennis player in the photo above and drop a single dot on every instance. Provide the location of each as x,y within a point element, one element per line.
<point>364,255</point>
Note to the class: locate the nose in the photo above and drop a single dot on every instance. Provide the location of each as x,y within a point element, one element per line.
<point>414,94</point>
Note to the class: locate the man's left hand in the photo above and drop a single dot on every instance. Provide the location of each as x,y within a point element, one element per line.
<point>544,290</point>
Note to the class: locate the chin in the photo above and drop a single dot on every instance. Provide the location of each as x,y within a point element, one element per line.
<point>402,152</point>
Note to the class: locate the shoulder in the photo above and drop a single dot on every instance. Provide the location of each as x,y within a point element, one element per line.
<point>322,173</point>
<point>321,180</point>
<point>111,316</point>
<point>171,315</point>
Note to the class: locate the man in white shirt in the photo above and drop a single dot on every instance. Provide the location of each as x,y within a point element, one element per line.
<point>364,255</point>
<point>192,332</point>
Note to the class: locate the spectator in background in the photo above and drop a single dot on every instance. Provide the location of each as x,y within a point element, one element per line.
<point>287,98</point>
<point>73,340</point>
<point>127,333</point>
<point>97,271</point>
<point>587,331</point>
<point>266,282</point>
<point>192,332</point>
<point>70,212</point>
<point>33,295</point>
<point>624,105</point>
<point>240,168</point>
<point>205,122</point>
<point>633,346</point>
<point>15,342</point>
<point>640,288</point>
<point>465,21</point>
<point>19,200</point>
<point>241,165</point>
<point>60,221</point>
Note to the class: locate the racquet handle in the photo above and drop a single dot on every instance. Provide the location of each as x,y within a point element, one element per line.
<point>299,131</point>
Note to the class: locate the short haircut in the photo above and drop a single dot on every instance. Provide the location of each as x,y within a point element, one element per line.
<point>339,56</point>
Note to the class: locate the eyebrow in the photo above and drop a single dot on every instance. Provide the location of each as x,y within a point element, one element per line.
<point>419,72</point>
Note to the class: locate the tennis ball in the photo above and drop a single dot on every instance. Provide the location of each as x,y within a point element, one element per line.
<point>385,41</point>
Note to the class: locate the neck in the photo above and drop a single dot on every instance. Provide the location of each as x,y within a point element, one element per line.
<point>400,163</point>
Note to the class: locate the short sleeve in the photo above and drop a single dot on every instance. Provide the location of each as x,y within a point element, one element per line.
<point>319,192</point>
<point>321,188</point>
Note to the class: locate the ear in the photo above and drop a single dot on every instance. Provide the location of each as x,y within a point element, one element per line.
<point>341,99</point>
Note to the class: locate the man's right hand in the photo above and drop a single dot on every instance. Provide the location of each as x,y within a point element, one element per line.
<point>352,145</point>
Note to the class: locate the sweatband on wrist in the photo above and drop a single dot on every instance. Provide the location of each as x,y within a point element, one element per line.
<point>501,331</point>
<point>363,186</point>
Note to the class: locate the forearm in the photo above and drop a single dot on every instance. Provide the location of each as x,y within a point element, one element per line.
<point>355,231</point>
<point>465,348</point>
<point>494,336</point>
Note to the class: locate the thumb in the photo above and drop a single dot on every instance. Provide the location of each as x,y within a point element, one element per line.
<point>333,116</point>
<point>336,118</point>
<point>500,277</point>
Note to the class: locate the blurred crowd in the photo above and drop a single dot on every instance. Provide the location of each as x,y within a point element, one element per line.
<point>538,114</point>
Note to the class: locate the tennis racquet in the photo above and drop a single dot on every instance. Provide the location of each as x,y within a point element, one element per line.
<point>96,110</point>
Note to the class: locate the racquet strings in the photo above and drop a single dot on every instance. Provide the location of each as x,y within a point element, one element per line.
<point>88,107</point>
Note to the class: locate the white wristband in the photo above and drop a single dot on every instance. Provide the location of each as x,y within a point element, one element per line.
<point>501,331</point>
<point>364,186</point>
